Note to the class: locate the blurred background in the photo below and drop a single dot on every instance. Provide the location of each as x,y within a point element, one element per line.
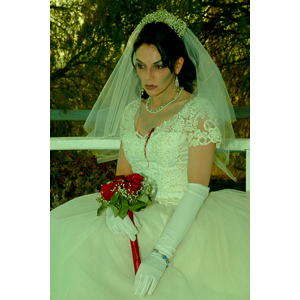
<point>87,38</point>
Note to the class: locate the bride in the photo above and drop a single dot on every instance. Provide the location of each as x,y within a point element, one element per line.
<point>168,104</point>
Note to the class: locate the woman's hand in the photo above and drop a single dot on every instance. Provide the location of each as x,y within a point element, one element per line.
<point>122,227</point>
<point>149,274</point>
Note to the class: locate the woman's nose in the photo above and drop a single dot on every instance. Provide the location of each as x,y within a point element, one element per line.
<point>149,73</point>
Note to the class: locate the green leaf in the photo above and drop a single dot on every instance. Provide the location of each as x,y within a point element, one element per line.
<point>136,206</point>
<point>124,207</point>
<point>115,210</point>
<point>101,209</point>
<point>115,198</point>
<point>140,208</point>
<point>143,198</point>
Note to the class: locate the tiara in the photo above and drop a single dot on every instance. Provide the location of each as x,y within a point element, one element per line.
<point>163,16</point>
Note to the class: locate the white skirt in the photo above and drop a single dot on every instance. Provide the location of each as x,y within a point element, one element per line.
<point>211,263</point>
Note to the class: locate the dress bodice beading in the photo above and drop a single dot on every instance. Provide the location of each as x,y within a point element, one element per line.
<point>166,159</point>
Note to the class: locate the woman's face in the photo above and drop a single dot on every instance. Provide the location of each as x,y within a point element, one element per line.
<point>155,77</point>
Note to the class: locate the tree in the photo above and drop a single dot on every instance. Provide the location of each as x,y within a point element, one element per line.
<point>88,37</point>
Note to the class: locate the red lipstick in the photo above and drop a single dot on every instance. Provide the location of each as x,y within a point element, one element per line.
<point>150,86</point>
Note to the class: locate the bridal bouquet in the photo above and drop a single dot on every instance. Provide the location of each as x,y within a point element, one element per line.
<point>124,195</point>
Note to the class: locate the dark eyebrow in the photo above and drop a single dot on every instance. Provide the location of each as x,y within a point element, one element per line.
<point>153,63</point>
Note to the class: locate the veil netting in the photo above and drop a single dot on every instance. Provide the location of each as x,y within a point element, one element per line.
<point>124,86</point>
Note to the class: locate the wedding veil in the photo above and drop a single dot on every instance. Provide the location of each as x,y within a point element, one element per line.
<point>123,86</point>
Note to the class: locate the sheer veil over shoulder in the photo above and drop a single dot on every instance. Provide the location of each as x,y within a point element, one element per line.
<point>124,86</point>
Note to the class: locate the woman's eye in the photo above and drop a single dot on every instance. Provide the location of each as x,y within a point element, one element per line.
<point>140,66</point>
<point>159,67</point>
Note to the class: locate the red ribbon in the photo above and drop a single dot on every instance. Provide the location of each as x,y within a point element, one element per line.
<point>146,143</point>
<point>135,248</point>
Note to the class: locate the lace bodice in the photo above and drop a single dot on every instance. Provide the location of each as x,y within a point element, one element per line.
<point>166,159</point>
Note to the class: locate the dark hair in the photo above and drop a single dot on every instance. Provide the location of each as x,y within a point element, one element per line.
<point>170,47</point>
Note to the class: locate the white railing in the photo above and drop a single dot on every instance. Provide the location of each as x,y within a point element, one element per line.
<point>91,143</point>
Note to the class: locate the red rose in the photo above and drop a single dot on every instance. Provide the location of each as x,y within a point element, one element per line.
<point>119,180</point>
<point>108,190</point>
<point>119,177</point>
<point>135,176</point>
<point>133,183</point>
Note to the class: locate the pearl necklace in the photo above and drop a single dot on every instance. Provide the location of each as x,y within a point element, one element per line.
<point>154,111</point>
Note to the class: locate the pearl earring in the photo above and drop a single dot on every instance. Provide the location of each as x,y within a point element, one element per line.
<point>176,83</point>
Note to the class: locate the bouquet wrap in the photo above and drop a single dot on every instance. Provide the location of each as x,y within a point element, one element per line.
<point>135,248</point>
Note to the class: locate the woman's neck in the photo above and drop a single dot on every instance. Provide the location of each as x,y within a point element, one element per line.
<point>163,98</point>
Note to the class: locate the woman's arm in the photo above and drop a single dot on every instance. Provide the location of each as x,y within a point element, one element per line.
<point>122,227</point>
<point>200,163</point>
<point>123,166</point>
<point>199,168</point>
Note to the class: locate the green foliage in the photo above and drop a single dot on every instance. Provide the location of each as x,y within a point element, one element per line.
<point>89,36</point>
<point>221,183</point>
<point>66,128</point>
<point>102,208</point>
<point>241,128</point>
<point>73,174</point>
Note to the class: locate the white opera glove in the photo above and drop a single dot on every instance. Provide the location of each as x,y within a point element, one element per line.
<point>149,274</point>
<point>122,227</point>
<point>153,267</point>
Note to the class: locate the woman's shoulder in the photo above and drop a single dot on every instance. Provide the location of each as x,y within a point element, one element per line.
<point>195,103</point>
<point>132,106</point>
<point>200,103</point>
<point>198,107</point>
<point>128,114</point>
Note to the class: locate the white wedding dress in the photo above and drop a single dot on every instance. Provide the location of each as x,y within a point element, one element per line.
<point>212,261</point>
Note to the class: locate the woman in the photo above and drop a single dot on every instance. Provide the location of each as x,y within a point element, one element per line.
<point>170,136</point>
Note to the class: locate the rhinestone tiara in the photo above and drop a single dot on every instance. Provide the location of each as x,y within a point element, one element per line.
<point>163,16</point>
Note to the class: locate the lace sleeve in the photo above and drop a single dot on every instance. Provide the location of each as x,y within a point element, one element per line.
<point>202,125</point>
